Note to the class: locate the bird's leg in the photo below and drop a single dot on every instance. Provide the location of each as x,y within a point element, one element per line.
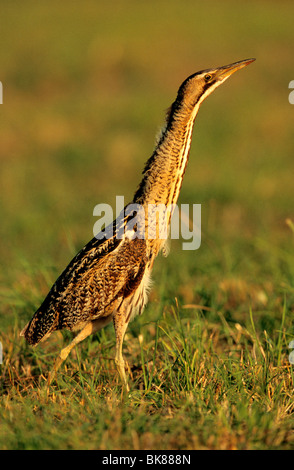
<point>88,329</point>
<point>120,326</point>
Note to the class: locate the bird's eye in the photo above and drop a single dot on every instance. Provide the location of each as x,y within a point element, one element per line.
<point>207,77</point>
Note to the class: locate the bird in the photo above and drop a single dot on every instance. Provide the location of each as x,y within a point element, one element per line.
<point>110,277</point>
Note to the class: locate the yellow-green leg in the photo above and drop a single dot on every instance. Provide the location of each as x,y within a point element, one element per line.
<point>120,326</point>
<point>88,329</point>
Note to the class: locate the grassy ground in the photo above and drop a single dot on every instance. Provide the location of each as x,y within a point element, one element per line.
<point>85,89</point>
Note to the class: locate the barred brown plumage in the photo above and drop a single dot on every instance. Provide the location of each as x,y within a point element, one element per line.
<point>109,278</point>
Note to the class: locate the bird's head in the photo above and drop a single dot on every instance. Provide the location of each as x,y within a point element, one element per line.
<point>201,84</point>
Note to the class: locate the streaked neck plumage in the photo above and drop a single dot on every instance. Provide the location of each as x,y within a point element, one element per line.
<point>164,171</point>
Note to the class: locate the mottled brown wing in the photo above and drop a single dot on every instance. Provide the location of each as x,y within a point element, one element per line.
<point>98,289</point>
<point>96,277</point>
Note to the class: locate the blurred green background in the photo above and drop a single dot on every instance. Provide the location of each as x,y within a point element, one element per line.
<point>85,89</point>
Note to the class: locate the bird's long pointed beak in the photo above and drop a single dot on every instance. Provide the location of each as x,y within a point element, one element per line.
<point>227,70</point>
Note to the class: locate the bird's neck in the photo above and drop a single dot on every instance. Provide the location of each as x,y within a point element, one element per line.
<point>164,171</point>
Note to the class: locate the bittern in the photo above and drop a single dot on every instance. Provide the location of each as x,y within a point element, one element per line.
<point>109,279</point>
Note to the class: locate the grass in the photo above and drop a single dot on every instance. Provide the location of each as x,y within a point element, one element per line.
<point>195,384</point>
<point>84,92</point>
